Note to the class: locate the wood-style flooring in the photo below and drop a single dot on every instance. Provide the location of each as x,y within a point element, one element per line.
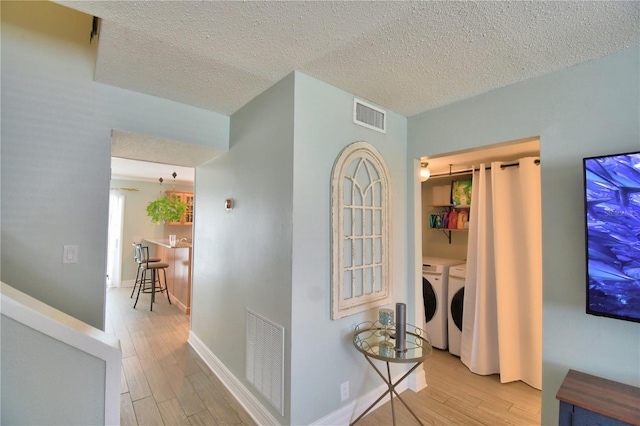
<point>164,381</point>
<point>456,396</point>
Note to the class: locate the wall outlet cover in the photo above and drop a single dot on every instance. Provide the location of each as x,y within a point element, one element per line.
<point>344,391</point>
<point>70,254</point>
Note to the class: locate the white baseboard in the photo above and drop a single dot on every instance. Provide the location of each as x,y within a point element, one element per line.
<point>417,380</point>
<point>127,283</point>
<point>343,416</point>
<point>245,398</point>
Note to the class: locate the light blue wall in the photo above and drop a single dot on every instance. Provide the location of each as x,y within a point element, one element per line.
<point>322,354</point>
<point>271,253</point>
<point>587,110</point>
<point>56,127</point>
<point>242,257</point>
<point>45,381</point>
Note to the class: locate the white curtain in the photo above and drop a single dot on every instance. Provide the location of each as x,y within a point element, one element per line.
<point>114,238</point>
<point>502,317</point>
<point>479,348</point>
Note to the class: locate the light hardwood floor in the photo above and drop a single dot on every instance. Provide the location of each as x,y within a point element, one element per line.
<point>165,382</point>
<point>455,396</point>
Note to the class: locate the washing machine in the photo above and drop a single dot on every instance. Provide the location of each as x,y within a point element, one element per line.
<point>457,276</point>
<point>435,276</point>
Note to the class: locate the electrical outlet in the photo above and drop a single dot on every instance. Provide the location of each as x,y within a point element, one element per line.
<point>344,391</point>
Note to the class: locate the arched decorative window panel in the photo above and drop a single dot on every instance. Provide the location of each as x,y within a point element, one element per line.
<point>360,255</point>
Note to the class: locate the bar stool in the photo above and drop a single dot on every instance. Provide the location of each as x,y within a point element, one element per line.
<point>143,254</point>
<point>140,268</point>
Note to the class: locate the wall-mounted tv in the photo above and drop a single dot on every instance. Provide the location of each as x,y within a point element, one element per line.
<point>612,211</point>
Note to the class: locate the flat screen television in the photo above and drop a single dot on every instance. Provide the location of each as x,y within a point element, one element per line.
<point>612,212</point>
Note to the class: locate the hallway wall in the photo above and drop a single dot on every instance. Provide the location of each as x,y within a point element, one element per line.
<point>587,110</point>
<point>56,152</point>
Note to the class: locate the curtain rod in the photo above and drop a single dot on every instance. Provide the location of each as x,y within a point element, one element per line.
<point>468,172</point>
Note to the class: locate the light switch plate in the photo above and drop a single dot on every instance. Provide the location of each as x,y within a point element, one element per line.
<point>70,254</point>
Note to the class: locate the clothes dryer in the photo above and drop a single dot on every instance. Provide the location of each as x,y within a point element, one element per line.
<point>457,276</point>
<point>435,276</point>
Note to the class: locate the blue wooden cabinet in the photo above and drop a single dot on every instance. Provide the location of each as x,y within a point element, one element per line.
<point>587,400</point>
<point>571,415</point>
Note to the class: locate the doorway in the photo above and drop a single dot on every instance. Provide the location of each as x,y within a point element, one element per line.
<point>137,183</point>
<point>446,169</point>
<point>138,161</point>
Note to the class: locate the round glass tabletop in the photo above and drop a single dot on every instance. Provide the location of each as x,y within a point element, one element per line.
<point>379,343</point>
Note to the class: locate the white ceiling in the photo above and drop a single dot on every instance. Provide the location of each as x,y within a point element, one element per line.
<point>126,169</point>
<point>136,156</point>
<point>467,159</point>
<point>408,57</point>
<point>405,56</point>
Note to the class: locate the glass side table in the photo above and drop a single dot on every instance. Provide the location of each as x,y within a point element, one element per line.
<point>369,339</point>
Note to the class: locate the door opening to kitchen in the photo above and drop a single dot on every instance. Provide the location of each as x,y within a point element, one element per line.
<point>144,169</point>
<point>153,206</point>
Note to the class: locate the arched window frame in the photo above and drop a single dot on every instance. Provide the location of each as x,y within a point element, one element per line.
<point>362,280</point>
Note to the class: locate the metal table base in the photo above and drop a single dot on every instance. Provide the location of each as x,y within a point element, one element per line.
<point>391,390</point>
<point>374,342</point>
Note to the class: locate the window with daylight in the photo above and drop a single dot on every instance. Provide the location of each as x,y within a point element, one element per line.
<point>360,258</point>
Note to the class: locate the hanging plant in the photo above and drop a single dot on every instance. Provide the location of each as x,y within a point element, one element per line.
<point>169,208</point>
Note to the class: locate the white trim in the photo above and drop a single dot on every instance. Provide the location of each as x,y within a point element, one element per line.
<point>417,380</point>
<point>348,413</point>
<point>245,398</point>
<point>127,283</point>
<point>75,333</point>
<point>343,416</point>
<point>357,101</point>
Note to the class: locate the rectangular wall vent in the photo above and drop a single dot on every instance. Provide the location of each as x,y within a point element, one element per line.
<point>369,116</point>
<point>264,367</point>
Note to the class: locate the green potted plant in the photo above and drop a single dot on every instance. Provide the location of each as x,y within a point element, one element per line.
<point>169,208</point>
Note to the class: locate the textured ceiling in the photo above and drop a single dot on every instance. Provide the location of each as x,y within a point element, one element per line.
<point>135,146</point>
<point>142,157</point>
<point>123,168</point>
<point>408,57</point>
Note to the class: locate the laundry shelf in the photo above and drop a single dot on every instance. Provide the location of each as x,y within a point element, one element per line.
<point>464,209</point>
<point>447,232</point>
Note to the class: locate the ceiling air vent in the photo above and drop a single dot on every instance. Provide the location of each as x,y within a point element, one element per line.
<point>369,116</point>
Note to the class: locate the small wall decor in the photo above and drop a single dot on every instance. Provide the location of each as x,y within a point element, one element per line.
<point>360,223</point>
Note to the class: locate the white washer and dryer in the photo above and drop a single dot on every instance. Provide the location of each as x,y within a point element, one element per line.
<point>435,277</point>
<point>457,276</point>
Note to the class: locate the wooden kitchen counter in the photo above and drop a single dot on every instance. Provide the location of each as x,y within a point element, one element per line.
<point>178,272</point>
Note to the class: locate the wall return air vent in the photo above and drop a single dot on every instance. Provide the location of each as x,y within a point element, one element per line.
<point>264,365</point>
<point>369,116</point>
